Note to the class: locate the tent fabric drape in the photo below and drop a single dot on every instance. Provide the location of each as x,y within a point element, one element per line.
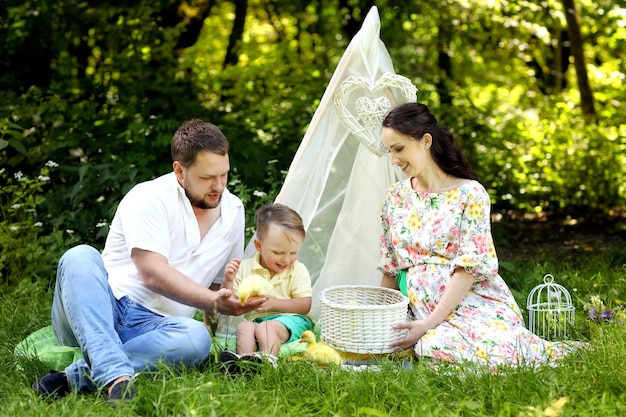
<point>335,181</point>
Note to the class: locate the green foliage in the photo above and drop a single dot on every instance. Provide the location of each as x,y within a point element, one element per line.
<point>29,243</point>
<point>99,88</point>
<point>533,165</point>
<point>106,114</point>
<point>10,135</point>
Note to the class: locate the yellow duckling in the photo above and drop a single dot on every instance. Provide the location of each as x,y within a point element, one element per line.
<point>253,286</point>
<point>319,352</point>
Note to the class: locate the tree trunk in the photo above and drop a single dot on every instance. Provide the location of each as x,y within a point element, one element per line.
<point>193,22</point>
<point>444,62</point>
<point>559,64</point>
<point>352,25</point>
<point>586,97</point>
<point>232,54</point>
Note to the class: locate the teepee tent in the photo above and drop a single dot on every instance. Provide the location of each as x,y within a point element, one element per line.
<point>339,174</point>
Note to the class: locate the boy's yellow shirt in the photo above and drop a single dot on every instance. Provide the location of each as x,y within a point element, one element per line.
<point>294,282</point>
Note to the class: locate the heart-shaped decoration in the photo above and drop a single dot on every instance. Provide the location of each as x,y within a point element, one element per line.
<point>371,111</point>
<point>362,104</point>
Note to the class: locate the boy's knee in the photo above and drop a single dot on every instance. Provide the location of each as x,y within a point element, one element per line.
<point>246,327</point>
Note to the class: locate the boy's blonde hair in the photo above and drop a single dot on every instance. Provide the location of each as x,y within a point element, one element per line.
<point>280,215</point>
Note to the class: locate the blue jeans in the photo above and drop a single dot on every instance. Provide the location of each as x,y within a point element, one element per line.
<point>116,337</point>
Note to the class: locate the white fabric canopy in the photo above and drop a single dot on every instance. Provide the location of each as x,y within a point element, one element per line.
<point>337,179</point>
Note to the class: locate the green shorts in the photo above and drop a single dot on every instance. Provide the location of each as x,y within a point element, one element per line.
<point>295,323</point>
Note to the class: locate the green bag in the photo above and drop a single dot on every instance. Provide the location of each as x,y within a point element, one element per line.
<point>42,345</point>
<point>401,281</point>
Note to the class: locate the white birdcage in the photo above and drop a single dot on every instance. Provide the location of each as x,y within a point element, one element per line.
<point>550,310</point>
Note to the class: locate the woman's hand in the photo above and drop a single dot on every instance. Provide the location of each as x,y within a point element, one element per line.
<point>416,329</point>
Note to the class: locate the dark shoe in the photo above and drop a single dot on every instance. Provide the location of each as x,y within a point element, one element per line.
<point>120,393</point>
<point>54,384</point>
<point>228,362</point>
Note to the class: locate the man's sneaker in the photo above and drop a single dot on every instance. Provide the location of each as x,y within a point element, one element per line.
<point>228,362</point>
<point>54,384</point>
<point>121,392</point>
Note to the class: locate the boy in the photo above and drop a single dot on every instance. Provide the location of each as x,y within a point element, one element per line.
<point>284,315</point>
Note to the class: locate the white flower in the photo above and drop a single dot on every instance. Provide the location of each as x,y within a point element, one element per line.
<point>51,164</point>
<point>259,193</point>
<point>18,175</point>
<point>101,224</point>
<point>69,231</point>
<point>38,224</point>
<point>16,206</point>
<point>43,178</point>
<point>14,228</point>
<point>595,303</point>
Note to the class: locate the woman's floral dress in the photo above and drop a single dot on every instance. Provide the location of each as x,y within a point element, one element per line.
<point>431,234</point>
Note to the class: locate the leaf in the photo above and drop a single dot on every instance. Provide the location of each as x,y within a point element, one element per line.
<point>18,146</point>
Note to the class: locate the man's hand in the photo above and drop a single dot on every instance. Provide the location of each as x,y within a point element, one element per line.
<point>228,304</point>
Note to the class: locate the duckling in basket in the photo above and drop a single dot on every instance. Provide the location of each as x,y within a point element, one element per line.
<point>253,286</point>
<point>319,352</point>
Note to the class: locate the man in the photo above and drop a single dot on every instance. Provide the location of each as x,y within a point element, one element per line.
<point>170,240</point>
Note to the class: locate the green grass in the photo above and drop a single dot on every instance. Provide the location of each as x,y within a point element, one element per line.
<point>592,379</point>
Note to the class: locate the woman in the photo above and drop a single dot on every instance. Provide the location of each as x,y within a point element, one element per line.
<point>436,247</point>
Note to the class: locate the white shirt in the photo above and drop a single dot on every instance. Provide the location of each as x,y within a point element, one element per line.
<point>157,216</point>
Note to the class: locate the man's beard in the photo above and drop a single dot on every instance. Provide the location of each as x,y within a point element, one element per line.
<point>201,204</point>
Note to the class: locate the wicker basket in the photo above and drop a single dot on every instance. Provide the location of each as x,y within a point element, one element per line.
<point>359,319</point>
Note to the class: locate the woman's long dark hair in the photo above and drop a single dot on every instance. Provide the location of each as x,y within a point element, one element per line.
<point>415,120</point>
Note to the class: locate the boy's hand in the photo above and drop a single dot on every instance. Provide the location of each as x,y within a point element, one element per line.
<point>266,306</point>
<point>229,273</point>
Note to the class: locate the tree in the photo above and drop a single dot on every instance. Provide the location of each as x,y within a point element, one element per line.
<point>573,26</point>
<point>99,87</point>
<point>234,40</point>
